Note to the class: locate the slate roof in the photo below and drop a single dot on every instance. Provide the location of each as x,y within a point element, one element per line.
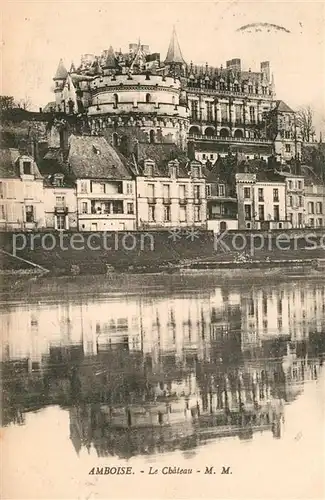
<point>50,106</point>
<point>159,153</point>
<point>269,176</point>
<point>289,174</point>
<point>174,54</point>
<point>61,72</point>
<point>9,164</point>
<point>52,162</point>
<point>310,176</point>
<point>283,107</point>
<point>162,169</point>
<point>93,158</point>
<point>109,60</point>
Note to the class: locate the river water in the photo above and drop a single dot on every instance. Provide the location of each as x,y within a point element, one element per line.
<point>177,372</point>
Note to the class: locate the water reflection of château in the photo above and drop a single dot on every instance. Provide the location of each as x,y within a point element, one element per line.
<point>143,375</point>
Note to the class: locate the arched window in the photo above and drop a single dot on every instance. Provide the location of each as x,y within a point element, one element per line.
<point>194,131</point>
<point>152,136</point>
<point>115,98</point>
<point>148,98</point>
<point>209,132</point>
<point>238,134</point>
<point>224,132</point>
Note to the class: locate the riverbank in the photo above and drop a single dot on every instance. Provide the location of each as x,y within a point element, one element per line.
<point>49,288</point>
<point>71,254</point>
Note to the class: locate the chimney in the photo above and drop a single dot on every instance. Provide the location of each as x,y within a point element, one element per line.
<point>265,69</point>
<point>64,143</point>
<point>234,64</point>
<point>191,150</point>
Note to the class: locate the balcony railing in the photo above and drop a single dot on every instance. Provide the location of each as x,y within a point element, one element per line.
<point>167,201</point>
<point>229,139</point>
<point>204,90</point>
<point>197,201</point>
<point>222,216</point>
<point>183,201</point>
<point>152,201</point>
<point>61,209</point>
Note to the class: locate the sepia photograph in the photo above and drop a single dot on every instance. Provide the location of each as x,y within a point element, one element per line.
<point>162,250</point>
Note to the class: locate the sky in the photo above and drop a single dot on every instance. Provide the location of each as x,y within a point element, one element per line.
<point>36,34</point>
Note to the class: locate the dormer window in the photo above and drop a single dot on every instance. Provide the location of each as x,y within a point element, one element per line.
<point>148,98</point>
<point>173,169</point>
<point>196,171</point>
<point>148,168</point>
<point>58,180</point>
<point>27,167</point>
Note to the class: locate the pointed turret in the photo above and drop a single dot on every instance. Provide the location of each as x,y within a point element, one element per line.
<point>139,57</point>
<point>174,54</point>
<point>61,72</point>
<point>72,68</point>
<point>110,60</point>
<point>69,96</point>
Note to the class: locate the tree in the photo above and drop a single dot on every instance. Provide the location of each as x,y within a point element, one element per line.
<point>305,123</point>
<point>313,155</point>
<point>25,103</point>
<point>6,102</point>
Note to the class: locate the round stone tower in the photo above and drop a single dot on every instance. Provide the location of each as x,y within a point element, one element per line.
<point>149,102</point>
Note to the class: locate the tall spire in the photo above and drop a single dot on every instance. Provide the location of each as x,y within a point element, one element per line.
<point>72,68</point>
<point>139,57</point>
<point>174,54</point>
<point>110,60</point>
<point>61,72</point>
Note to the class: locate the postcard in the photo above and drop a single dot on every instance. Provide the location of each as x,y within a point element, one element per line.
<point>162,222</point>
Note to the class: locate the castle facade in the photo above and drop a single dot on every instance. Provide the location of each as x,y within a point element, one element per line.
<point>217,110</point>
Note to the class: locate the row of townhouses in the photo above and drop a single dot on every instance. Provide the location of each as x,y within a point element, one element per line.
<point>91,186</point>
<point>115,104</point>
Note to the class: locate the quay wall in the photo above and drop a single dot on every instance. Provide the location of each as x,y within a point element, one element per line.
<point>96,253</point>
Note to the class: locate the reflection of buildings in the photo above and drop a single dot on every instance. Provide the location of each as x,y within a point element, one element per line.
<point>294,312</point>
<point>176,325</point>
<point>147,373</point>
<point>179,326</point>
